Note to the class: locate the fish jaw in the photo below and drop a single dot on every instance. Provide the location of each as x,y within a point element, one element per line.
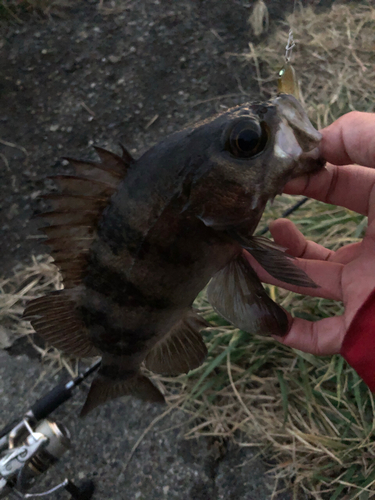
<point>294,115</point>
<point>296,142</point>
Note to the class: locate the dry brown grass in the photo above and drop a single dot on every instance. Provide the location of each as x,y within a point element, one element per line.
<point>312,414</point>
<point>333,58</point>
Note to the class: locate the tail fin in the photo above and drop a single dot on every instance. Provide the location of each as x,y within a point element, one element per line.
<point>104,389</point>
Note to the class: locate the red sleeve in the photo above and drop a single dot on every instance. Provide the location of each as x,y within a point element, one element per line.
<point>358,347</point>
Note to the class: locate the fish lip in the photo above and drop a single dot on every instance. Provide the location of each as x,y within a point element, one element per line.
<point>311,162</point>
<point>294,115</point>
<point>313,159</point>
<point>314,154</point>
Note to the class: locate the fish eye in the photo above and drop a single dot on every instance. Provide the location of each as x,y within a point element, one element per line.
<point>247,138</point>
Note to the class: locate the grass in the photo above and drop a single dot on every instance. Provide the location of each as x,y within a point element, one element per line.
<point>313,416</point>
<point>333,59</point>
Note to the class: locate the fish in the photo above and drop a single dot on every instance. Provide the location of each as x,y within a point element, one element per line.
<point>135,242</point>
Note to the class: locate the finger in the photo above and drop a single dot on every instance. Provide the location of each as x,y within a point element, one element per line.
<point>321,338</point>
<point>350,139</point>
<point>286,234</point>
<point>350,187</point>
<point>327,275</point>
<point>347,253</point>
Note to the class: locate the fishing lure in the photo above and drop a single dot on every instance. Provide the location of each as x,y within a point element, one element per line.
<point>287,82</point>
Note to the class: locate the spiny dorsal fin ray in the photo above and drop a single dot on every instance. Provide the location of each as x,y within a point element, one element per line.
<point>55,318</point>
<point>65,264</point>
<point>70,184</point>
<point>66,255</point>
<point>77,209</point>
<point>74,249</point>
<point>181,350</point>
<point>96,171</point>
<point>104,389</point>
<point>72,203</point>
<point>114,161</point>
<point>87,217</point>
<point>126,156</point>
<point>67,244</point>
<point>73,231</point>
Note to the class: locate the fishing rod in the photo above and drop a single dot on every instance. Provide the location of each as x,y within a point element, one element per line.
<point>30,445</point>
<point>285,214</point>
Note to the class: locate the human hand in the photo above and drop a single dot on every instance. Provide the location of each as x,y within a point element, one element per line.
<point>347,275</point>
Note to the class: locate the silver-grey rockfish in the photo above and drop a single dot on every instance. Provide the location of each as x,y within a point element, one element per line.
<point>137,240</point>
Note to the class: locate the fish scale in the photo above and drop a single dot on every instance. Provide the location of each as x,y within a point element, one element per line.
<point>137,240</point>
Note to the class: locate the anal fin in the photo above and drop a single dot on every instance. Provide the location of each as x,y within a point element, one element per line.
<point>236,293</point>
<point>104,389</point>
<point>181,350</point>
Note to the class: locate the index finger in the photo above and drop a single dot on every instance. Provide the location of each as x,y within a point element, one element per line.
<point>322,338</point>
<point>350,139</point>
<point>351,187</point>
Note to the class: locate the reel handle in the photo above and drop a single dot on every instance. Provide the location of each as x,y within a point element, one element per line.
<point>83,492</point>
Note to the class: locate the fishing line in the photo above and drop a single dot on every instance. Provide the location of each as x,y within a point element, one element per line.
<point>289,46</point>
<point>287,82</point>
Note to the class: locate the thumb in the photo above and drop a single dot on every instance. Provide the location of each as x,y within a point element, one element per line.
<point>350,139</point>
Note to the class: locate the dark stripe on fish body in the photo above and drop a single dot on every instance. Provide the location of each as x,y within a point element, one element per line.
<point>118,288</point>
<point>173,255</point>
<point>117,233</point>
<point>111,339</point>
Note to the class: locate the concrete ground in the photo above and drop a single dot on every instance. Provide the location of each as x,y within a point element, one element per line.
<point>164,466</point>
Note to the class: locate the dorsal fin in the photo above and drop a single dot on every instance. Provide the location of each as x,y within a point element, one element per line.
<point>126,156</point>
<point>54,317</point>
<point>70,184</point>
<point>77,209</point>
<point>114,161</point>
<point>96,171</point>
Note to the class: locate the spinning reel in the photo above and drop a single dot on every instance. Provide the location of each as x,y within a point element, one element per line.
<point>30,446</point>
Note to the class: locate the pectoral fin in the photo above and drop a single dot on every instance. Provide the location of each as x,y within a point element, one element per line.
<point>181,350</point>
<point>275,261</point>
<point>236,293</point>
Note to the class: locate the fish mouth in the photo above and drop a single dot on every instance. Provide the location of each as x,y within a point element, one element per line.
<point>297,141</point>
<point>294,118</point>
<point>313,160</point>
